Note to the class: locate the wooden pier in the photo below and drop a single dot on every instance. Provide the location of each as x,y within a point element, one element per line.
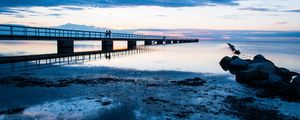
<point>65,42</point>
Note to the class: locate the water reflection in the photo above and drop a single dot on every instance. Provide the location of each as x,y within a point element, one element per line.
<point>195,57</point>
<point>18,48</point>
<point>52,60</point>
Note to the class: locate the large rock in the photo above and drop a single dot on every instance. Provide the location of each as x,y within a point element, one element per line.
<point>296,85</point>
<point>257,71</point>
<point>239,64</point>
<point>296,80</point>
<point>283,71</point>
<point>247,76</point>
<point>285,74</point>
<point>234,64</point>
<point>275,80</point>
<point>263,67</point>
<point>259,58</point>
<point>261,72</point>
<point>225,63</point>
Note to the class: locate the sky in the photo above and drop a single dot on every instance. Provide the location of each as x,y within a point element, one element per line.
<point>174,17</point>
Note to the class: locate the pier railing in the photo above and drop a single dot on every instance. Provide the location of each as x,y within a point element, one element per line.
<point>25,31</point>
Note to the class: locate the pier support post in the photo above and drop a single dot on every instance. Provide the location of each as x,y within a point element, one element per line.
<point>131,44</point>
<point>148,42</point>
<point>159,42</point>
<point>107,45</point>
<point>168,41</point>
<point>175,41</point>
<point>65,47</point>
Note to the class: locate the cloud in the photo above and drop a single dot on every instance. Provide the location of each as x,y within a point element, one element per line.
<point>57,15</point>
<point>224,34</point>
<point>295,11</point>
<point>257,9</point>
<point>281,23</point>
<point>235,17</point>
<point>161,15</point>
<point>18,12</point>
<point>87,28</point>
<point>113,3</point>
<point>7,11</point>
<point>72,8</point>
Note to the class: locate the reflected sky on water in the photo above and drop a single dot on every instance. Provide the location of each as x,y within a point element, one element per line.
<point>195,57</point>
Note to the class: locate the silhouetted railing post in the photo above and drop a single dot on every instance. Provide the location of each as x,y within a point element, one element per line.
<point>11,31</point>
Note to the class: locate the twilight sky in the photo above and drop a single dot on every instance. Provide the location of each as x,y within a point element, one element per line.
<point>271,15</point>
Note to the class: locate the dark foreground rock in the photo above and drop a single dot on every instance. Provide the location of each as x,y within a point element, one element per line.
<point>244,108</point>
<point>12,111</point>
<point>21,81</point>
<point>153,100</point>
<point>190,82</point>
<point>262,73</point>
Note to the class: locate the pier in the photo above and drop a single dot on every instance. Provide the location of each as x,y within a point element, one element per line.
<point>65,38</point>
<point>65,41</point>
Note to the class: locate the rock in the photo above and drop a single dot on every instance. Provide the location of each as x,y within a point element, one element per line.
<point>296,85</point>
<point>296,80</point>
<point>153,100</point>
<point>283,71</point>
<point>225,63</point>
<point>262,73</point>
<point>190,82</point>
<point>238,64</point>
<point>294,73</point>
<point>232,48</point>
<point>236,52</point>
<point>259,58</point>
<point>247,76</point>
<point>285,74</point>
<point>264,67</point>
<point>12,111</point>
<point>275,80</point>
<point>234,57</point>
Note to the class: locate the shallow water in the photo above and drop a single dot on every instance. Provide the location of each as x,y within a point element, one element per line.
<point>150,93</point>
<point>195,57</point>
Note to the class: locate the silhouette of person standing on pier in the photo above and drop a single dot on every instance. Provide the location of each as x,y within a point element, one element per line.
<point>106,34</point>
<point>109,33</point>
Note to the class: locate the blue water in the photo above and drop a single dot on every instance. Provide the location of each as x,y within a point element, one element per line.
<point>160,65</point>
<point>198,57</point>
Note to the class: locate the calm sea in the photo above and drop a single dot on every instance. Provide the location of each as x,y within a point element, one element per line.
<point>193,57</point>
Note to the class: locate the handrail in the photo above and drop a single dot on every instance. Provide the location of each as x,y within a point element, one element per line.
<point>13,30</point>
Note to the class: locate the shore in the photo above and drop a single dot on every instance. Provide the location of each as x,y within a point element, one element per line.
<point>134,94</point>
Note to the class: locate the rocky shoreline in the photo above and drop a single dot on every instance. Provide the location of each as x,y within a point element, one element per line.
<point>189,98</point>
<point>21,81</point>
<point>264,74</point>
